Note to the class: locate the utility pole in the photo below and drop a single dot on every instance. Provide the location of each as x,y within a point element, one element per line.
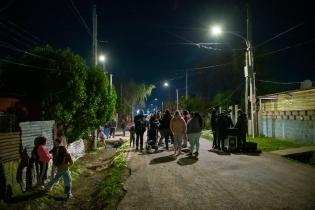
<point>94,18</point>
<point>186,96</point>
<point>94,61</point>
<point>251,73</point>
<point>176,99</point>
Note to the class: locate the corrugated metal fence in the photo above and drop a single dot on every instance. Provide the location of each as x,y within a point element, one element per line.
<point>10,146</point>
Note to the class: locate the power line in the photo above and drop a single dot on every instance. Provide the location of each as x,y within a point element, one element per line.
<point>23,30</point>
<point>28,66</point>
<point>280,34</point>
<point>281,83</point>
<point>12,47</point>
<point>288,47</point>
<point>7,6</point>
<point>81,19</point>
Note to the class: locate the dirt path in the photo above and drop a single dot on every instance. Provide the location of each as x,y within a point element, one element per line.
<point>267,181</point>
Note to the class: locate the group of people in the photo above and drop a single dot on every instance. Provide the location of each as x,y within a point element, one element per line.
<point>60,168</point>
<point>222,122</point>
<point>175,128</point>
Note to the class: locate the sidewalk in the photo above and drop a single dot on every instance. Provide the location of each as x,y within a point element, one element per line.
<point>298,150</point>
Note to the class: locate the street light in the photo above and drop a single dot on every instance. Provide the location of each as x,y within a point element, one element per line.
<point>248,73</point>
<point>166,85</point>
<point>103,59</point>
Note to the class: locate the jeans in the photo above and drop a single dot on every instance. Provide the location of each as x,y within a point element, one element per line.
<point>139,135</point>
<point>194,141</point>
<point>178,137</point>
<point>106,132</point>
<point>66,175</point>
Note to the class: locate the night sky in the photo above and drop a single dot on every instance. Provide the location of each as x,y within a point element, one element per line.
<point>151,41</point>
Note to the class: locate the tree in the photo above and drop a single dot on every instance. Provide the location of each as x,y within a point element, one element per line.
<point>71,94</point>
<point>137,95</point>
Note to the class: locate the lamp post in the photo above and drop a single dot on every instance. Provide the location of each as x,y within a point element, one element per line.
<point>103,59</point>
<point>166,84</point>
<point>248,73</point>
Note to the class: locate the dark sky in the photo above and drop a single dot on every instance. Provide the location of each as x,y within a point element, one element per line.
<point>149,40</point>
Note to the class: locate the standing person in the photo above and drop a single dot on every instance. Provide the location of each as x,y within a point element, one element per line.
<point>214,122</point>
<point>123,126</point>
<point>222,125</point>
<point>107,130</point>
<point>186,117</point>
<point>242,127</point>
<point>140,127</point>
<point>194,128</point>
<point>165,128</point>
<point>44,158</point>
<point>132,135</point>
<point>63,161</point>
<point>54,152</point>
<point>179,128</point>
<point>229,118</point>
<point>113,126</point>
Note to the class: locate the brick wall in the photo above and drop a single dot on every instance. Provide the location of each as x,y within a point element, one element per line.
<point>288,125</point>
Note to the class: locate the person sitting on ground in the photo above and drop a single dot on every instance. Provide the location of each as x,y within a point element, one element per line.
<point>63,162</point>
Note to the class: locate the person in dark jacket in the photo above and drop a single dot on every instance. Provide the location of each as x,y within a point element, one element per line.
<point>241,125</point>
<point>165,128</point>
<point>194,128</point>
<point>222,127</point>
<point>214,122</point>
<point>140,127</point>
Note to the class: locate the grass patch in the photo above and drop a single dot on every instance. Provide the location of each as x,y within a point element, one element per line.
<point>206,134</point>
<point>111,188</point>
<point>270,144</point>
<point>265,144</point>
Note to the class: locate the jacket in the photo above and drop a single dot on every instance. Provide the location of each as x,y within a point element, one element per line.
<point>178,125</point>
<point>43,154</point>
<point>194,125</point>
<point>65,164</point>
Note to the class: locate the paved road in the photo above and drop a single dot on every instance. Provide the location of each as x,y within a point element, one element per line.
<point>215,181</point>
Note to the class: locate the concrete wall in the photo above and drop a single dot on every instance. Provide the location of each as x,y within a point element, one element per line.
<point>288,125</point>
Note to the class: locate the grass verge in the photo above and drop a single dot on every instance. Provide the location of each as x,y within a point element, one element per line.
<point>265,144</point>
<point>110,190</point>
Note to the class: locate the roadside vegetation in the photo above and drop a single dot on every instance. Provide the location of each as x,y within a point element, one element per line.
<point>265,144</point>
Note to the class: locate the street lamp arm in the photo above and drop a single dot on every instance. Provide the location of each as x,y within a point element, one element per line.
<point>240,36</point>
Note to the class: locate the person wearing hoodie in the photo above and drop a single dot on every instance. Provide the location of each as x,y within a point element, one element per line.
<point>179,128</point>
<point>194,128</point>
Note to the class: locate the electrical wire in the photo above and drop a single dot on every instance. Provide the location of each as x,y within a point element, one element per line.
<point>280,83</point>
<point>287,48</point>
<point>280,34</point>
<point>7,6</point>
<point>23,30</point>
<point>81,19</point>
<point>28,66</point>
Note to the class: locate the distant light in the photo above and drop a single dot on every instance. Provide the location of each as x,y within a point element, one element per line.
<point>216,30</point>
<point>166,84</point>
<point>102,58</point>
<point>138,111</point>
<point>151,104</point>
<point>155,99</point>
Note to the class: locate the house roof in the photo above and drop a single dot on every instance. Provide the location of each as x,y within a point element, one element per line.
<point>271,95</point>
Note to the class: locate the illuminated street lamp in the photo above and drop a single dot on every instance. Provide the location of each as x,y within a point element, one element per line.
<point>248,73</point>
<point>165,84</point>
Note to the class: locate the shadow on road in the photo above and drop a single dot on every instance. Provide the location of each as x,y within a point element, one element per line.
<point>219,152</point>
<point>30,196</point>
<point>187,161</point>
<point>163,159</point>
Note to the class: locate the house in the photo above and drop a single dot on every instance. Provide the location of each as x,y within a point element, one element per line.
<point>288,115</point>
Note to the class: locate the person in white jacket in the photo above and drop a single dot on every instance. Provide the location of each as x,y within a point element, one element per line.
<point>179,128</point>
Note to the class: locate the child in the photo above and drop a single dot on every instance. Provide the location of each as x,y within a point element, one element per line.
<point>132,135</point>
<point>44,158</point>
<point>63,161</point>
